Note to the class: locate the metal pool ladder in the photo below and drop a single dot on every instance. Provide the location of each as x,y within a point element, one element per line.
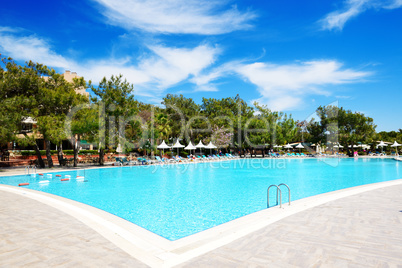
<point>27,168</point>
<point>278,190</point>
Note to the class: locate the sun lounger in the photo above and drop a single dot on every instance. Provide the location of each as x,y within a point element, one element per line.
<point>122,160</point>
<point>176,158</point>
<point>182,159</point>
<point>143,161</point>
<point>159,159</point>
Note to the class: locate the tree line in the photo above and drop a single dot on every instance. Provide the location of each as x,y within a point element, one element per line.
<point>111,116</point>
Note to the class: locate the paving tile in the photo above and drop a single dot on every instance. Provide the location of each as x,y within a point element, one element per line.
<point>36,235</point>
<point>362,230</point>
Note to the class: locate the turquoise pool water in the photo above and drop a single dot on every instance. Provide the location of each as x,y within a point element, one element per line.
<point>175,201</point>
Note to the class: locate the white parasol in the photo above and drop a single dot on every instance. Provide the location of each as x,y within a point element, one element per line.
<point>178,146</point>
<point>163,146</point>
<point>396,146</point>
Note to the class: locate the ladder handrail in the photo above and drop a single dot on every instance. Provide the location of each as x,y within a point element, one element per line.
<point>288,190</point>
<point>280,194</point>
<point>27,168</point>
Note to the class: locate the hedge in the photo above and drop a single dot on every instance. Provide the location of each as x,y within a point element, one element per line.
<point>65,152</point>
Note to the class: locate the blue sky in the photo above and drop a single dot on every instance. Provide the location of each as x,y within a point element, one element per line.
<point>291,55</point>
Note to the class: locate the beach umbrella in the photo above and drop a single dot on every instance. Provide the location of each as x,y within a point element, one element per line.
<point>288,146</point>
<point>178,146</point>
<point>210,146</point>
<point>382,144</point>
<point>200,145</point>
<point>190,147</point>
<point>119,149</point>
<point>300,146</point>
<point>338,146</point>
<point>317,148</point>
<point>354,146</point>
<point>396,146</point>
<point>163,146</point>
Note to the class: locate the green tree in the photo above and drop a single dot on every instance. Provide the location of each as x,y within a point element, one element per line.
<point>272,118</point>
<point>179,111</point>
<point>163,126</point>
<point>341,125</point>
<point>38,92</point>
<point>115,97</point>
<point>231,113</point>
<point>57,97</point>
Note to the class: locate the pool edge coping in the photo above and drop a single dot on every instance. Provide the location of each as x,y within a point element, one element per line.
<point>157,251</point>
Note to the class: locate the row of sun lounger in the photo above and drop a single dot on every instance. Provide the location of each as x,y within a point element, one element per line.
<point>276,155</point>
<point>174,159</point>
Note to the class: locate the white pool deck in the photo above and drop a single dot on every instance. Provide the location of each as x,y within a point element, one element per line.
<point>360,226</point>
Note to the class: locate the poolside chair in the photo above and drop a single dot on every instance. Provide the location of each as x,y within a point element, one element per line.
<point>118,161</point>
<point>182,159</point>
<point>143,161</point>
<point>298,155</point>
<point>205,158</point>
<point>159,159</point>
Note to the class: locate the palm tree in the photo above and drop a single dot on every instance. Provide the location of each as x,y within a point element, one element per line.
<point>163,126</point>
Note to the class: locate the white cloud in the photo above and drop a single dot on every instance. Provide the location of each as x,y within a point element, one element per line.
<point>283,87</point>
<point>394,4</point>
<point>29,48</point>
<point>162,69</point>
<point>172,65</point>
<point>352,8</point>
<point>176,16</point>
<point>165,68</point>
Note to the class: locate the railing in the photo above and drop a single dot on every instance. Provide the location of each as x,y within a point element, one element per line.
<point>280,195</point>
<point>30,168</point>
<point>278,190</point>
<point>288,190</point>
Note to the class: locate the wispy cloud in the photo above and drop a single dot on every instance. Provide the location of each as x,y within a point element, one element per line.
<point>336,20</point>
<point>176,16</point>
<point>284,87</point>
<point>29,47</point>
<point>162,68</point>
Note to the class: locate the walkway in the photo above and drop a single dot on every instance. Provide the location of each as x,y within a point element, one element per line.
<point>363,230</point>
<point>36,235</point>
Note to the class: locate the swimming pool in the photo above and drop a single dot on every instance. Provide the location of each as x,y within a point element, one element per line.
<point>175,201</point>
